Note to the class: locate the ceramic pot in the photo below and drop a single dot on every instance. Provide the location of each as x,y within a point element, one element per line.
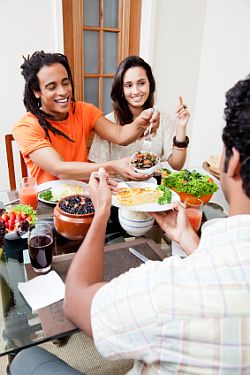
<point>71,226</point>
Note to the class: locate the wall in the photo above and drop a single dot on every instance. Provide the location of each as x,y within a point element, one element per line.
<point>198,49</point>
<point>25,26</point>
<point>225,59</point>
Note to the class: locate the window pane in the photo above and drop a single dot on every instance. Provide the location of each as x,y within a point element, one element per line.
<point>91,13</point>
<point>91,90</point>
<point>107,102</point>
<point>110,52</point>
<point>91,51</point>
<point>110,13</point>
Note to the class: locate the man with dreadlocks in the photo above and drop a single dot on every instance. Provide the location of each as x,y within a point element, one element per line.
<point>53,134</point>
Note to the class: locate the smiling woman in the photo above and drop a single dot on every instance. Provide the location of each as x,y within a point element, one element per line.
<point>132,92</point>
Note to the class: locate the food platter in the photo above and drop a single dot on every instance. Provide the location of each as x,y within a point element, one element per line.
<point>213,171</point>
<point>60,185</point>
<point>146,207</point>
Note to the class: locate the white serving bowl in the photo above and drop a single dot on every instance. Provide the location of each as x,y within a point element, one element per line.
<point>135,223</point>
<point>147,171</point>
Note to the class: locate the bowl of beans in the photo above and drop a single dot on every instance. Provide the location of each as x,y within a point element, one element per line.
<point>73,216</point>
<point>145,162</point>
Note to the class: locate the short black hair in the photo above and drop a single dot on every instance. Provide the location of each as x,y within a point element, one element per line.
<point>29,69</point>
<point>236,133</point>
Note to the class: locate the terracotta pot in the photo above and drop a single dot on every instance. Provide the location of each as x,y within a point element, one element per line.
<point>183,196</point>
<point>71,226</point>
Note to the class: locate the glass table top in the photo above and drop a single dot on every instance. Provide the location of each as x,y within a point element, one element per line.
<point>21,327</point>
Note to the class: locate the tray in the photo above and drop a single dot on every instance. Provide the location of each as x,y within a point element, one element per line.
<point>212,171</point>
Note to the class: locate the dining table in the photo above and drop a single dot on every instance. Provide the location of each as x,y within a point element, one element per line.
<point>20,326</point>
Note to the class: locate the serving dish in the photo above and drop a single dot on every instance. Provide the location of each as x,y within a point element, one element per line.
<point>73,226</point>
<point>146,207</point>
<point>58,186</point>
<point>190,184</point>
<point>135,223</point>
<point>15,222</point>
<point>213,171</point>
<point>144,162</point>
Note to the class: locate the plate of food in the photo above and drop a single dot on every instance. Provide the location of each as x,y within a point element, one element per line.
<point>212,165</point>
<point>144,197</point>
<point>15,221</point>
<point>52,191</point>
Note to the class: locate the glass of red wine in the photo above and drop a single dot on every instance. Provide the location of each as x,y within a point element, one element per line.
<point>40,243</point>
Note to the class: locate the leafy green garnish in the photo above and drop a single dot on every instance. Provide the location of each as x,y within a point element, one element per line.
<point>167,194</point>
<point>25,209</point>
<point>46,195</point>
<point>189,182</point>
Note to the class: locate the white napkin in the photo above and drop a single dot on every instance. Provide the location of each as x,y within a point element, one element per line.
<point>43,290</point>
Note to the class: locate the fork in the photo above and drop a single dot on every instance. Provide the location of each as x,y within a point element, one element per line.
<point>148,139</point>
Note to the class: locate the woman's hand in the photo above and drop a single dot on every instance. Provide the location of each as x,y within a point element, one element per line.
<point>182,113</point>
<point>123,168</point>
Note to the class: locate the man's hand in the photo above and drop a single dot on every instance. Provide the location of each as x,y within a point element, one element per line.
<point>176,225</point>
<point>146,117</point>
<point>100,192</point>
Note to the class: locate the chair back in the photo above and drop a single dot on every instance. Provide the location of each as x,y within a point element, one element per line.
<point>10,160</point>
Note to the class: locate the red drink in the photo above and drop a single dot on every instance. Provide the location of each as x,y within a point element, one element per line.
<point>40,250</point>
<point>194,216</point>
<point>28,195</point>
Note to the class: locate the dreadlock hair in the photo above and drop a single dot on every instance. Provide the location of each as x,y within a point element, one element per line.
<point>30,68</point>
<point>236,133</point>
<point>120,105</point>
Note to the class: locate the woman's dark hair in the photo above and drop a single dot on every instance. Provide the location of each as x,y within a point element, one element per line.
<point>236,133</point>
<point>120,105</point>
<point>30,68</point>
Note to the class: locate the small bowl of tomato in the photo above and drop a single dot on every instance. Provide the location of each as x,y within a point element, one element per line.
<point>17,220</point>
<point>145,162</point>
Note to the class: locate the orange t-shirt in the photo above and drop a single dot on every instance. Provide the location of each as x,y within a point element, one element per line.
<point>30,136</point>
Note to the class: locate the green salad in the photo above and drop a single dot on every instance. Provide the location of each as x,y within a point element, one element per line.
<point>46,195</point>
<point>167,194</point>
<point>189,182</point>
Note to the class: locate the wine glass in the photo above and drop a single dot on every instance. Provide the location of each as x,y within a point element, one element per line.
<point>194,211</point>
<point>40,243</point>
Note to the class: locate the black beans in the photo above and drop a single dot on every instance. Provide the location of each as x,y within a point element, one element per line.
<point>77,204</point>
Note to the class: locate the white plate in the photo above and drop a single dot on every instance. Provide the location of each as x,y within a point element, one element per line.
<point>146,207</point>
<point>151,180</point>
<point>54,183</point>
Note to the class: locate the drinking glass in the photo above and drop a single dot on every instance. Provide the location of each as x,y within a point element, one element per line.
<point>28,191</point>
<point>194,211</point>
<point>40,243</point>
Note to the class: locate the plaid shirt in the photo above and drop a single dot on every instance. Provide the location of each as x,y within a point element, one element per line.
<point>182,316</point>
